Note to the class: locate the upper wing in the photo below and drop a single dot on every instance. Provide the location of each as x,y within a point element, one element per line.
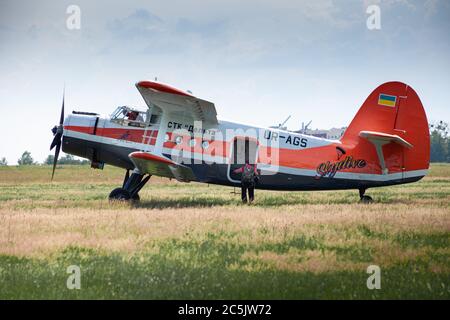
<point>160,165</point>
<point>177,101</point>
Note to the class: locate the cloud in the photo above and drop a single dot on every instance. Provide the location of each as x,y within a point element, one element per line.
<point>204,29</point>
<point>391,3</point>
<point>140,24</point>
<point>431,8</point>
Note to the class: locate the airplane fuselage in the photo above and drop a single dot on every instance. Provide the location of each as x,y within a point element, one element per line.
<point>286,160</point>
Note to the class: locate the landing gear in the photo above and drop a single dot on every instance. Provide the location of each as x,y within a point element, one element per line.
<point>119,194</point>
<point>363,198</point>
<point>130,188</point>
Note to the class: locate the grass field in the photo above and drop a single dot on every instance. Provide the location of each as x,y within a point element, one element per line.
<point>195,241</point>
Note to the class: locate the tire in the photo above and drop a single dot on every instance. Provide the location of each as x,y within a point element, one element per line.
<point>136,198</point>
<point>119,194</point>
<point>366,199</point>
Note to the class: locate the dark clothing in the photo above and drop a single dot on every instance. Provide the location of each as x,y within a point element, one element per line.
<point>132,115</point>
<point>248,185</point>
<point>251,192</point>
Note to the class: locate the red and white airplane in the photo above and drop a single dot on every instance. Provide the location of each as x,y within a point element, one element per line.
<point>180,137</point>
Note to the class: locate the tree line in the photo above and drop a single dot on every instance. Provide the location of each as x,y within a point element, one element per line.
<point>26,160</point>
<point>439,139</point>
<point>440,142</point>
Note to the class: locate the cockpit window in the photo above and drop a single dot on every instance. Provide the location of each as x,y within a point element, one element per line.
<point>127,116</point>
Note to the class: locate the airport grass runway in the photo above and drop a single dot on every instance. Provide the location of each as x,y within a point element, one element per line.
<point>194,241</point>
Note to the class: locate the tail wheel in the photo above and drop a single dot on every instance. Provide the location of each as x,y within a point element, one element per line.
<point>366,199</point>
<point>120,194</point>
<point>363,198</point>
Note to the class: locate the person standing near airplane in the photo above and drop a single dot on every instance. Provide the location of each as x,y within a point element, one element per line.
<point>248,180</point>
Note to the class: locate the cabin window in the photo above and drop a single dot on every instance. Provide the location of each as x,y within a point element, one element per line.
<point>155,119</point>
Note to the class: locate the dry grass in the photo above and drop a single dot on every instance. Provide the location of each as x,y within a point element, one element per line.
<point>39,231</point>
<point>300,233</point>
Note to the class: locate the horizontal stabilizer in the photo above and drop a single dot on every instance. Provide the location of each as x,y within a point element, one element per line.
<point>385,137</point>
<point>378,139</point>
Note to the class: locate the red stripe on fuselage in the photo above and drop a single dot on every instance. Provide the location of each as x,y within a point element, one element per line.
<point>133,135</point>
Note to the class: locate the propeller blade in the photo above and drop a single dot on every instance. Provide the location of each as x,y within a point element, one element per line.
<point>55,160</point>
<point>56,141</point>
<point>61,119</point>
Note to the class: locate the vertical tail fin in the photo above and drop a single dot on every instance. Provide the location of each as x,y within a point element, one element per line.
<point>392,109</point>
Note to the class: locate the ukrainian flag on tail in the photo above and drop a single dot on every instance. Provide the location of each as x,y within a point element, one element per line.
<point>387,100</point>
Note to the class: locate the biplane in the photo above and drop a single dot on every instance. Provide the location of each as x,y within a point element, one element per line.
<point>179,136</point>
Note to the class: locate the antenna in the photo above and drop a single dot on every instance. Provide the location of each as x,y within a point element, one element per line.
<point>284,122</point>
<point>281,125</point>
<point>304,128</point>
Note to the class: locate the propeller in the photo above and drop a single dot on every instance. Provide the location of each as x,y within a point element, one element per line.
<point>57,137</point>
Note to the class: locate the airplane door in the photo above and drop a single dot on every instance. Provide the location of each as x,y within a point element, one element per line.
<point>242,149</point>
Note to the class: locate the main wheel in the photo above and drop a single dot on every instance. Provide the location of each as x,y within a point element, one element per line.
<point>136,197</point>
<point>366,199</point>
<point>119,194</point>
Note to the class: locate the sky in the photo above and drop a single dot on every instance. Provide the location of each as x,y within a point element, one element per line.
<point>257,61</point>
